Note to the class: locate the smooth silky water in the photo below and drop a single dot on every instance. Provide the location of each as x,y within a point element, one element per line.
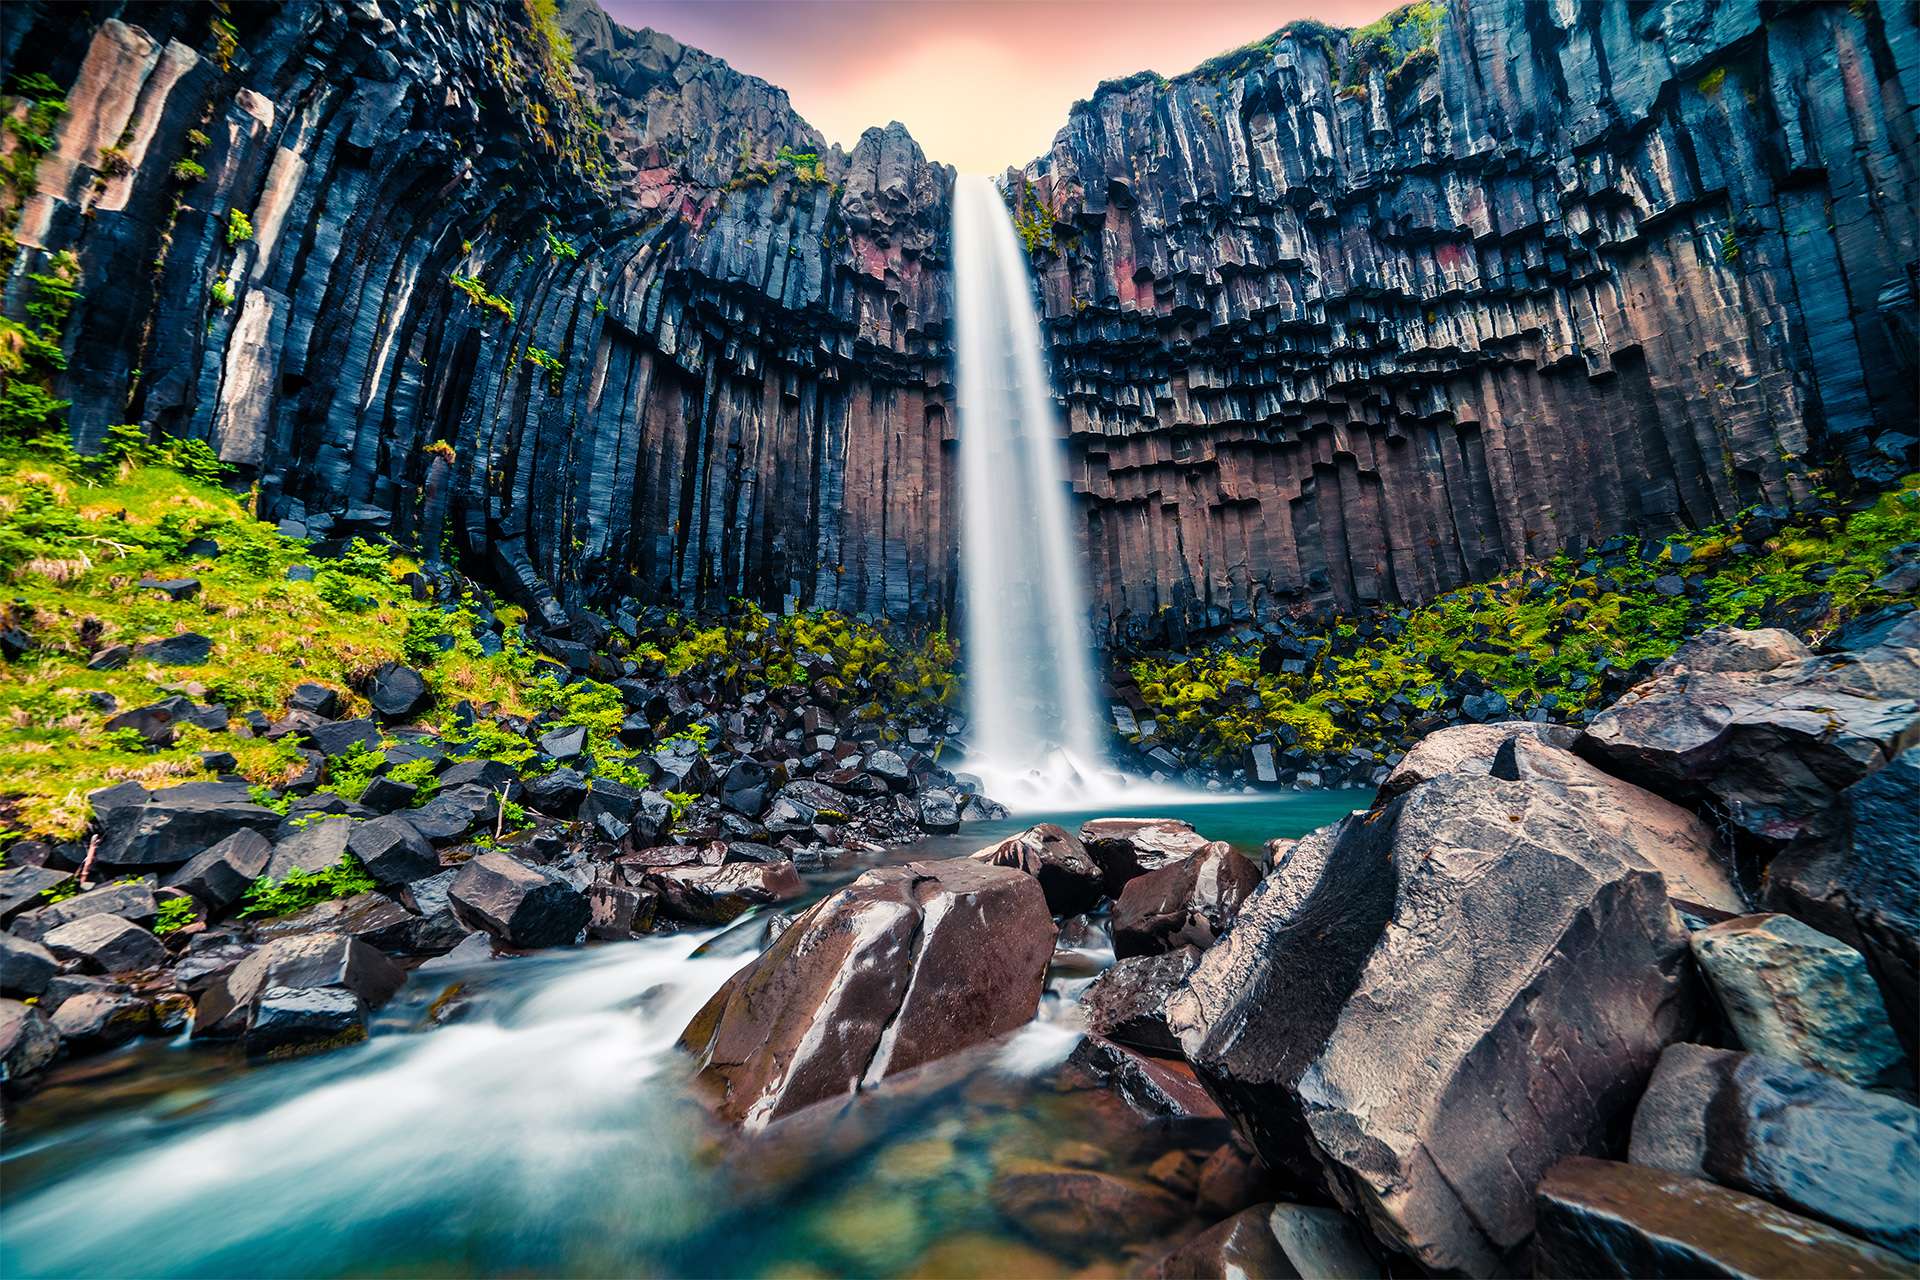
<point>531,1116</point>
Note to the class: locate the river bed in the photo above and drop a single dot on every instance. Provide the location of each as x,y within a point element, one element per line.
<point>530,1115</point>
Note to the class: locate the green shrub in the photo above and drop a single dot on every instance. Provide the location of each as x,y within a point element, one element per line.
<point>175,914</point>
<point>302,889</point>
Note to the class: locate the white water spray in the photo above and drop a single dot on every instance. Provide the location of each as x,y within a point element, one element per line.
<point>1036,735</point>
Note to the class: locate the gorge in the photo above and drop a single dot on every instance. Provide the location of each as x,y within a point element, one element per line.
<point>1321,680</point>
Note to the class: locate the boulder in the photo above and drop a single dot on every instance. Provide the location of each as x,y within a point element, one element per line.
<point>1674,840</point>
<point>303,962</point>
<point>105,944</point>
<point>314,846</point>
<point>1081,1211</point>
<point>1860,882</point>
<point>452,816</point>
<point>1158,1089</point>
<point>905,965</point>
<point>374,918</point>
<point>218,877</point>
<point>939,812</point>
<point>1190,903</point>
<point>315,699</point>
<point>131,900</point>
<point>1127,847</point>
<point>519,904</point>
<point>25,888</point>
<point>1484,929</point>
<point>1599,1218</point>
<point>397,691</point>
<point>558,794</point>
<point>28,1042</point>
<point>1231,1179</point>
<point>141,829</point>
<point>1465,746</point>
<point>717,894</point>
<point>1068,875</point>
<point>158,722</point>
<point>338,737</point>
<point>1799,1138</point>
<point>568,742</point>
<point>25,966</point>
<point>290,1020</point>
<point>1128,1002</point>
<point>96,1020</point>
<point>1287,1242</point>
<point>744,788</point>
<point>890,768</point>
<point>392,850</point>
<point>1771,749</point>
<point>1793,993</point>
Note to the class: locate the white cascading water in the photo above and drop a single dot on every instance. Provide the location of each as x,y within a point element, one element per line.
<point>1035,733</point>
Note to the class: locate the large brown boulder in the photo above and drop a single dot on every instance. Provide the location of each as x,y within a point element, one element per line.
<point>1188,904</point>
<point>1055,857</point>
<point>717,894</point>
<point>1427,1006</point>
<point>1465,746</point>
<point>518,903</point>
<point>1800,1138</point>
<point>1128,847</point>
<point>1598,1218</point>
<point>1771,747</point>
<point>905,965</point>
<point>1128,1001</point>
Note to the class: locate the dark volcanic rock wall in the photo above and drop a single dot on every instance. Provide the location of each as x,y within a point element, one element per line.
<point>683,367</point>
<point>1330,328</point>
<point>1351,336</point>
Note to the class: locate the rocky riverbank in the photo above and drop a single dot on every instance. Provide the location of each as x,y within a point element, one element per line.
<point>1529,1013</point>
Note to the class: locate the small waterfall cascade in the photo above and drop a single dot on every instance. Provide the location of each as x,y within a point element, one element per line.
<point>1035,732</point>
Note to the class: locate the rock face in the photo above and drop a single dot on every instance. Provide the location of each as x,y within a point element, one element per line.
<point>1792,992</point>
<point>1490,941</point>
<point>1338,325</point>
<point>1796,1137</point>
<point>903,966</point>
<point>1598,1218</point>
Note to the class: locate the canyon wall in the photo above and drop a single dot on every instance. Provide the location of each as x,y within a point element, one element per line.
<point>1336,318</point>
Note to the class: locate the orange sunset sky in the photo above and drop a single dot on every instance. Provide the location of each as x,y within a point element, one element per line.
<point>982,84</point>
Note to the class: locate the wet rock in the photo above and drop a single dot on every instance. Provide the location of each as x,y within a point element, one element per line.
<point>1128,1002</point>
<point>300,963</point>
<point>305,1019</point>
<point>210,957</point>
<point>392,850</point>
<point>744,788</point>
<point>902,967</point>
<point>890,769</point>
<point>97,1020</point>
<point>1771,749</point>
<point>105,944</point>
<point>1482,928</point>
<point>1068,876</point>
<point>1078,1211</point>
<point>939,812</point>
<point>141,829</point>
<point>374,918</point>
<point>1157,1088</point>
<point>28,1042</point>
<point>1287,1242</point>
<point>717,894</point>
<point>1793,993</point>
<point>616,912</point>
<point>1190,903</point>
<point>1861,883</point>
<point>218,877</point>
<point>397,691</point>
<point>1465,746</point>
<point>1598,1218</point>
<point>518,904</point>
<point>1231,1179</point>
<point>25,966</point>
<point>1799,1138</point>
<point>1127,847</point>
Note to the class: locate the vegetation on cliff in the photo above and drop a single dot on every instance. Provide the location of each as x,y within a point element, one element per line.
<point>1555,640</point>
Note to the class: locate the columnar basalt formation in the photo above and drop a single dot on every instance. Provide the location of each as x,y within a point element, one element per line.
<point>1335,328</point>
<point>1336,318</point>
<point>608,317</point>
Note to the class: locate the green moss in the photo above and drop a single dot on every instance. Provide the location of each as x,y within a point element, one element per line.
<point>555,367</point>
<point>1710,83</point>
<point>239,227</point>
<point>32,355</point>
<point>185,170</point>
<point>480,296</point>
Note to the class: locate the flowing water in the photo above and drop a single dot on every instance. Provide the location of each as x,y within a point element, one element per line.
<point>1035,727</point>
<point>531,1116</point>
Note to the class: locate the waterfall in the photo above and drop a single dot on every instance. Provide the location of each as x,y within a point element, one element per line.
<point>1034,723</point>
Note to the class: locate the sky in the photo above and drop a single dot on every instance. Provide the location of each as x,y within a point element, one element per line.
<point>981,84</point>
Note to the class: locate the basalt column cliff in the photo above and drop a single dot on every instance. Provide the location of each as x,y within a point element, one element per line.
<point>1338,317</point>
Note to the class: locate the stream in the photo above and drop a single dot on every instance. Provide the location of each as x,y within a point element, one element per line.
<point>530,1115</point>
